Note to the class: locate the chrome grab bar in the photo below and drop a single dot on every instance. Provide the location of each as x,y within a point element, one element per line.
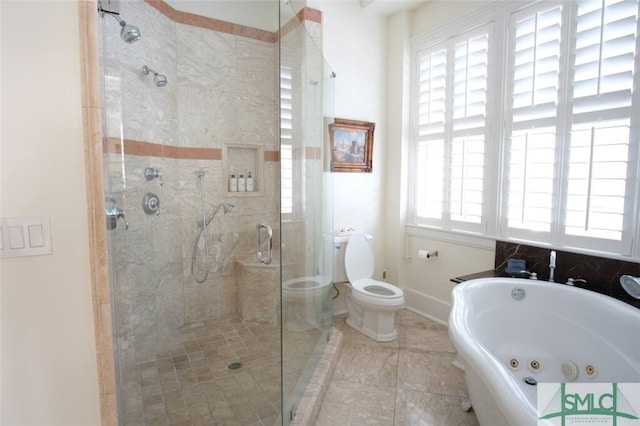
<point>261,257</point>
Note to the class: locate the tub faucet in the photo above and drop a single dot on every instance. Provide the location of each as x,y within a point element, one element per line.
<point>552,265</point>
<point>531,275</point>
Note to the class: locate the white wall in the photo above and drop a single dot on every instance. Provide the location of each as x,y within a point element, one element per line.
<point>435,14</point>
<point>48,365</point>
<point>354,46</point>
<point>427,283</point>
<point>371,56</point>
<point>397,155</point>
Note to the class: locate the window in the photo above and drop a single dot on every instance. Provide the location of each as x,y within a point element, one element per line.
<point>599,186</point>
<point>451,131</point>
<point>286,142</point>
<point>565,133</point>
<point>534,78</point>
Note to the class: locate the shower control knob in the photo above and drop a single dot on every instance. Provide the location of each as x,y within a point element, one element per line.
<point>151,204</point>
<point>151,173</point>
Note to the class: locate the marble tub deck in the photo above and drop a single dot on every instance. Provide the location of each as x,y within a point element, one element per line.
<point>410,381</point>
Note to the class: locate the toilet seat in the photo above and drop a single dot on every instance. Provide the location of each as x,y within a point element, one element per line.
<point>378,289</point>
<point>377,295</point>
<point>303,284</point>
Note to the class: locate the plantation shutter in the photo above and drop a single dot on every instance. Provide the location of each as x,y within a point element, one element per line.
<point>430,160</point>
<point>599,148</point>
<point>562,123</point>
<point>452,80</point>
<point>531,144</point>
<point>286,141</point>
<point>468,127</point>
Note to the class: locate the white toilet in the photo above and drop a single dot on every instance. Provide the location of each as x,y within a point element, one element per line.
<point>371,304</point>
<point>307,300</point>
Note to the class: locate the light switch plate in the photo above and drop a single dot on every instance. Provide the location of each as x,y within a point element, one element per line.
<point>25,236</point>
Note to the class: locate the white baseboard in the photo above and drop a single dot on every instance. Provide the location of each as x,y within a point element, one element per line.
<point>427,306</point>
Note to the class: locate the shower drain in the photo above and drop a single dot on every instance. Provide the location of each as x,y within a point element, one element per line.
<point>234,365</point>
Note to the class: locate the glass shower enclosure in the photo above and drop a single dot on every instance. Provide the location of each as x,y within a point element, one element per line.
<point>219,207</point>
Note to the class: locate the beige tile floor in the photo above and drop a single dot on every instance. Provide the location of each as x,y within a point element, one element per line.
<point>406,382</point>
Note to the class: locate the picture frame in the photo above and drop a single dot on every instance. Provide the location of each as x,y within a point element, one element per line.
<point>351,145</point>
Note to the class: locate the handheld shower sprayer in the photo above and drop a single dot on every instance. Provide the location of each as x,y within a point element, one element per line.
<point>226,208</point>
<point>203,223</point>
<point>159,79</point>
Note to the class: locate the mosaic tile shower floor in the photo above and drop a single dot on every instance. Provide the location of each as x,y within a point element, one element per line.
<point>189,382</point>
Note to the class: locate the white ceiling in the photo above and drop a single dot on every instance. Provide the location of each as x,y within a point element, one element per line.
<point>389,7</point>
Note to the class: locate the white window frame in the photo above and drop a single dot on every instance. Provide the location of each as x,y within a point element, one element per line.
<point>495,168</point>
<point>447,40</point>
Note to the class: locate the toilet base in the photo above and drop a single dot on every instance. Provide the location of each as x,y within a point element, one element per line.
<point>375,322</point>
<point>377,336</point>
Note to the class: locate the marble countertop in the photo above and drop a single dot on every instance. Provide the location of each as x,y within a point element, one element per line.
<point>491,273</point>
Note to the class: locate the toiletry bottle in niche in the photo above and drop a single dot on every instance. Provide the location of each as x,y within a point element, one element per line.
<point>242,184</point>
<point>233,183</point>
<point>249,182</point>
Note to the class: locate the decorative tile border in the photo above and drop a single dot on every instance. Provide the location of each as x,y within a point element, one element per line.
<point>308,14</point>
<point>305,14</point>
<point>312,153</point>
<point>211,23</point>
<point>150,149</point>
<point>91,116</point>
<point>311,401</point>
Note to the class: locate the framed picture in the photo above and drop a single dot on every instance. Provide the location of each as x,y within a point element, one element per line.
<point>351,145</point>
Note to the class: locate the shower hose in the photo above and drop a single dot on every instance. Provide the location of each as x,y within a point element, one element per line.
<point>203,233</point>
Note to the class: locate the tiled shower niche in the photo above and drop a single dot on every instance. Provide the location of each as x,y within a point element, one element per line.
<point>240,160</point>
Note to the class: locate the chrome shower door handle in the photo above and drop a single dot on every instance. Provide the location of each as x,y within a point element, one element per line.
<point>260,255</point>
<point>113,214</point>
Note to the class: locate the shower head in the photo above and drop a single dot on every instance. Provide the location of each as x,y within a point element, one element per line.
<point>226,208</point>
<point>159,79</point>
<point>128,33</point>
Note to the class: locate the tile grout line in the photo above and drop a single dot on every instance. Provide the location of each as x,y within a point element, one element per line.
<point>395,399</point>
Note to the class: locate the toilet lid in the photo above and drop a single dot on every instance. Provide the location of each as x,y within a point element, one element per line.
<point>358,258</point>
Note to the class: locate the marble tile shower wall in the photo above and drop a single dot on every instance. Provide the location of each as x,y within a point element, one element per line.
<point>218,92</point>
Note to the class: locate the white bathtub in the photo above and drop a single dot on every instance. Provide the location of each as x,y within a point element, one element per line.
<point>553,324</point>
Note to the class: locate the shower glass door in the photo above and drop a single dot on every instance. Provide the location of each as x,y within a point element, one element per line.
<point>203,332</point>
<point>306,107</point>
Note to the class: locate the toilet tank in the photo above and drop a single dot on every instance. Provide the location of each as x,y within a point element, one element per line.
<point>340,241</point>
